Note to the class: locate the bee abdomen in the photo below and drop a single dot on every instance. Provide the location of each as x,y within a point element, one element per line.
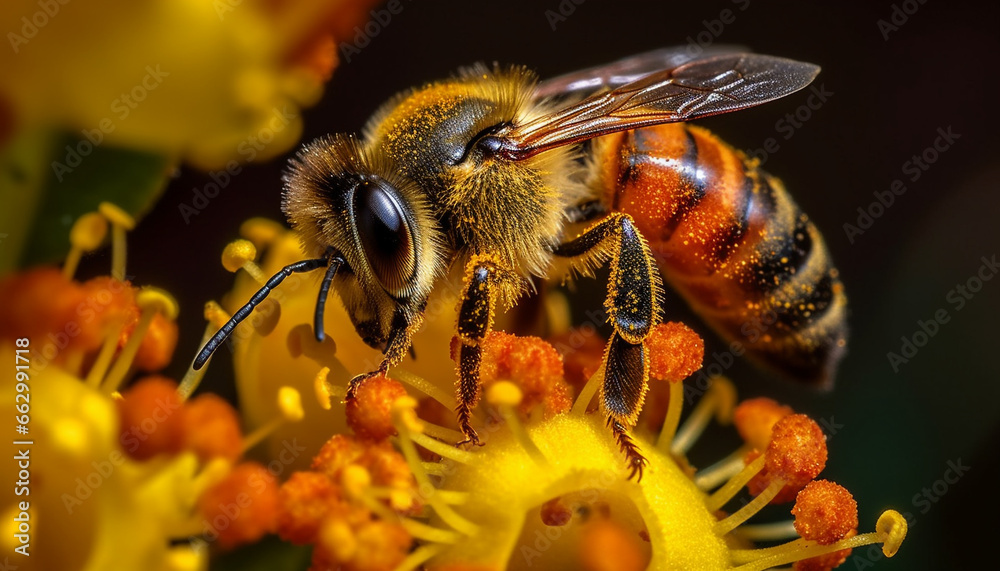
<point>731,241</point>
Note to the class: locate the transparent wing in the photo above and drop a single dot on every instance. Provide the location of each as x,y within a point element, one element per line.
<point>698,88</point>
<point>615,74</point>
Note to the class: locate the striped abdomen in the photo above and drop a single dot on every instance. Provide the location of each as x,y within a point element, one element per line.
<point>730,240</point>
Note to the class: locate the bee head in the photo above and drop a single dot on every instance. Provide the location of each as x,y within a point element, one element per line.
<point>341,199</point>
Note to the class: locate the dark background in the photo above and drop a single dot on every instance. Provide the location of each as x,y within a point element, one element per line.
<point>891,433</point>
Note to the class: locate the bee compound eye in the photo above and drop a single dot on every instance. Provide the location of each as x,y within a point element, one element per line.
<point>384,227</point>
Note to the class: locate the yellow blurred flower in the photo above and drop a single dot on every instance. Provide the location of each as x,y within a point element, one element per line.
<point>204,82</point>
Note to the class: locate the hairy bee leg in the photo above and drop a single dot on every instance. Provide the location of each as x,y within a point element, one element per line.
<point>633,310</point>
<point>636,461</point>
<point>475,319</point>
<point>396,348</point>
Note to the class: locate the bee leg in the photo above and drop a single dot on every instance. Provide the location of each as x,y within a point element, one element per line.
<point>475,320</point>
<point>633,310</point>
<point>396,348</point>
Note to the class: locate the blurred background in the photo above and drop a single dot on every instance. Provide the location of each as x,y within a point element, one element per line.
<point>897,75</point>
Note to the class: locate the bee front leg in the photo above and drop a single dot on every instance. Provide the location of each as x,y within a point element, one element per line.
<point>633,310</point>
<point>475,320</point>
<point>395,349</point>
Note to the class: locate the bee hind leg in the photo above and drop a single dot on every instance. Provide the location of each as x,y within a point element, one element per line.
<point>633,310</point>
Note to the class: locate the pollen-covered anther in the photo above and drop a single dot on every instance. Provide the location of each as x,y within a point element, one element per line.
<point>152,421</point>
<point>755,418</point>
<point>306,499</point>
<point>531,363</point>
<point>151,302</point>
<point>246,500</point>
<point>212,428</point>
<point>797,452</point>
<point>85,236</point>
<point>825,512</point>
<point>675,351</point>
<point>369,413</point>
<point>241,254</point>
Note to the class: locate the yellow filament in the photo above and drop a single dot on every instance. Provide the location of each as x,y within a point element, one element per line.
<point>151,301</point>
<point>192,378</point>
<point>434,468</point>
<point>720,472</point>
<point>587,394</point>
<point>441,432</point>
<point>505,395</point>
<point>420,556</point>
<point>103,361</point>
<point>734,485</point>
<point>290,405</point>
<point>423,386</point>
<point>719,401</point>
<point>775,531</point>
<point>673,417</point>
<point>890,530</point>
<point>746,512</point>
<point>442,449</point>
<point>401,408</point>
<point>121,222</point>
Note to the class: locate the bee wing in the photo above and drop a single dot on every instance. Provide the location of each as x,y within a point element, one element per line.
<point>698,88</point>
<point>615,74</point>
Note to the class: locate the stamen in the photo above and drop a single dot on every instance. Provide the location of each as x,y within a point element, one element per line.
<point>733,486</point>
<point>290,405</point>
<point>730,523</point>
<point>890,530</point>
<point>506,396</point>
<point>587,394</point>
<point>151,301</point>
<point>357,484</point>
<point>325,390</point>
<point>261,231</point>
<point>121,222</point>
<point>673,417</point>
<point>104,357</point>
<point>404,418</point>
<point>720,472</point>
<point>216,317</point>
<point>420,556</point>
<point>425,387</point>
<point>719,401</point>
<point>241,254</point>
<point>86,235</point>
<point>774,531</point>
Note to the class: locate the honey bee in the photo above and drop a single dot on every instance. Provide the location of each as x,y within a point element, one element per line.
<point>492,169</point>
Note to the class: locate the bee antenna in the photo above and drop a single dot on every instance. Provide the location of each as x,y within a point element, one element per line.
<point>261,295</point>
<point>324,289</point>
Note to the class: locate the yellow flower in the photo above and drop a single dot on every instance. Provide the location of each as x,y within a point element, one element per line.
<point>206,82</point>
<point>110,480</point>
<point>550,488</point>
